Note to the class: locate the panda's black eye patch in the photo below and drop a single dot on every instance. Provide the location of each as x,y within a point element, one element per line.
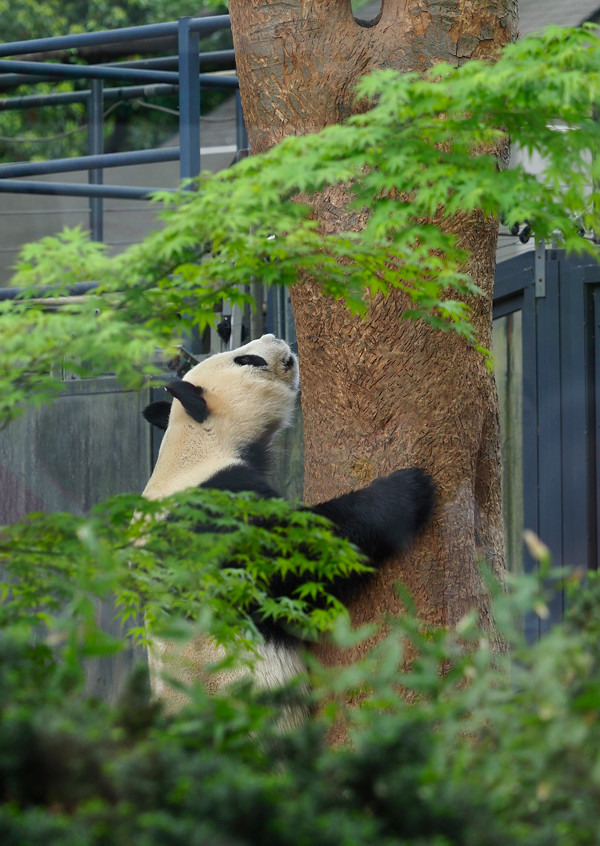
<point>254,360</point>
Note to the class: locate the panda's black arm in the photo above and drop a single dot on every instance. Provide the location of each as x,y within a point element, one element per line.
<point>381,519</point>
<point>384,518</point>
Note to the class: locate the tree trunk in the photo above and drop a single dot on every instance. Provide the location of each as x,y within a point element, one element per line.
<point>385,393</point>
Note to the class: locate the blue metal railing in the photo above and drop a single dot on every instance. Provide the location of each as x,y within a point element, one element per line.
<point>168,75</point>
<point>186,82</point>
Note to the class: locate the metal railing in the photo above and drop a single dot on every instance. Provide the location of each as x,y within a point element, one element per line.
<point>182,75</point>
<point>153,77</point>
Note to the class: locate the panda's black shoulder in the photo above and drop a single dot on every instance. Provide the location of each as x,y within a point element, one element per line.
<point>238,478</point>
<point>248,473</point>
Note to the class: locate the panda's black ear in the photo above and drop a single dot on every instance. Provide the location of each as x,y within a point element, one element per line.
<point>192,399</point>
<point>157,413</point>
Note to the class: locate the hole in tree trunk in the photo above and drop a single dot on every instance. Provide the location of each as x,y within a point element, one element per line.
<point>367,12</point>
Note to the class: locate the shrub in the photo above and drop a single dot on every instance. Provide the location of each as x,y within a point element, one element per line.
<point>495,749</point>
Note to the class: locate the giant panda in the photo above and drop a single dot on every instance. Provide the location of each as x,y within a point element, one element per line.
<point>218,429</point>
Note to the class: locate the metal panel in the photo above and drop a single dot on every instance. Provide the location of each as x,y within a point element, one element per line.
<point>561,402</point>
<point>90,443</point>
<point>531,516</point>
<point>575,445</point>
<point>594,507</point>
<point>515,290</point>
<point>512,277</point>
<point>549,426</point>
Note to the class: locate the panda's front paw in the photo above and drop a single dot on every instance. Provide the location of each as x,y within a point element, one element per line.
<point>383,518</point>
<point>423,490</point>
<point>408,497</point>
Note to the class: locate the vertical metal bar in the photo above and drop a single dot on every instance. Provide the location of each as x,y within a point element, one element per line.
<point>531,510</point>
<point>189,127</point>
<point>540,268</point>
<point>595,429</point>
<point>550,429</point>
<point>577,413</point>
<point>189,100</point>
<point>256,315</point>
<point>240,126</point>
<point>290,324</point>
<point>96,148</point>
<point>237,320</point>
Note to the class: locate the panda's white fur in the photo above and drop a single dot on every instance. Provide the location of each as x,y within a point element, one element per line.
<point>247,405</point>
<point>224,414</point>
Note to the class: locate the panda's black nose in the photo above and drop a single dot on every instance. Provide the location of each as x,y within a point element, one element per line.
<point>289,362</point>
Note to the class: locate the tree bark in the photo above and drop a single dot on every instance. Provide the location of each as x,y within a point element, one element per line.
<point>384,393</point>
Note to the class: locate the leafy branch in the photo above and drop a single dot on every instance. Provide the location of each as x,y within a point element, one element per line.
<point>421,156</point>
<point>242,558</point>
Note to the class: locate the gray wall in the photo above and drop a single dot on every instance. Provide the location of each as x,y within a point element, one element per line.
<point>90,443</point>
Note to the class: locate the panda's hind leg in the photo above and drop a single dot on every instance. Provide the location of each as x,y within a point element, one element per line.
<point>384,518</point>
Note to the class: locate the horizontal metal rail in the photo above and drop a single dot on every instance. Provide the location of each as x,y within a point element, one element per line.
<point>76,290</point>
<point>215,60</point>
<point>33,101</point>
<point>13,80</point>
<point>171,75</point>
<point>86,71</point>
<point>70,189</point>
<point>205,26</point>
<point>137,157</point>
<point>48,71</point>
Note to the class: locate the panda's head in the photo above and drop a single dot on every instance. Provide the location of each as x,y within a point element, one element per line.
<point>223,405</point>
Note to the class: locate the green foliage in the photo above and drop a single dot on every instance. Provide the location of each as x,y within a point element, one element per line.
<point>252,560</point>
<point>44,133</point>
<point>409,158</point>
<point>496,748</point>
<point>21,20</point>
